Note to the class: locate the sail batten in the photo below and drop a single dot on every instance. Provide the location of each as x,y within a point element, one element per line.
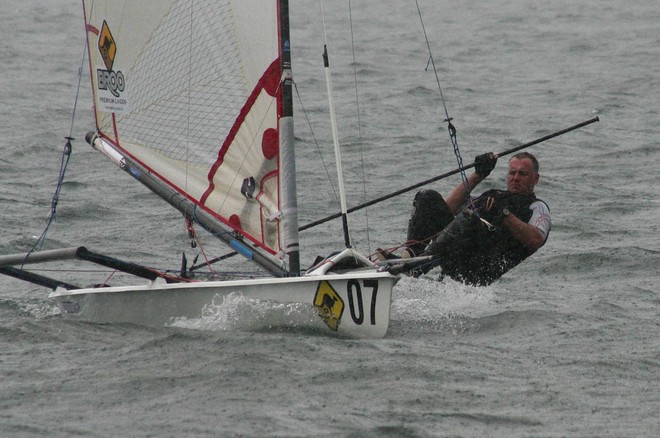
<point>191,91</point>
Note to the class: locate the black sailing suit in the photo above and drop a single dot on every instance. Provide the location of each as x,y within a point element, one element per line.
<point>463,246</point>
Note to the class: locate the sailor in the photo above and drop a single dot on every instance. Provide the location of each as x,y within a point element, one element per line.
<point>477,239</point>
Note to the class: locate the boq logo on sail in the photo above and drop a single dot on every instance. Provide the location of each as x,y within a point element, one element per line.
<point>108,79</point>
<point>111,81</point>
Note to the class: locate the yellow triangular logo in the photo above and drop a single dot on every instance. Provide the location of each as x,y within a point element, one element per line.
<point>107,46</point>
<point>329,305</point>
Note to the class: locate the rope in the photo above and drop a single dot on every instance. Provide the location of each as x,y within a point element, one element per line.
<point>359,123</point>
<point>66,155</point>
<point>451,128</point>
<point>316,143</point>
<point>357,97</point>
<point>196,242</point>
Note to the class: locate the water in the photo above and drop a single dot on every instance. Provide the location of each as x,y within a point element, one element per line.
<point>564,345</point>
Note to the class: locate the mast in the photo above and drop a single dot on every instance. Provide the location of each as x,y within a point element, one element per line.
<point>289,203</point>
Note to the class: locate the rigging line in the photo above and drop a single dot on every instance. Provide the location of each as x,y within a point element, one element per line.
<point>75,102</point>
<point>359,123</point>
<point>196,241</point>
<point>432,62</point>
<point>448,119</point>
<point>357,96</point>
<point>66,155</point>
<point>189,100</point>
<point>316,143</point>
<point>186,218</point>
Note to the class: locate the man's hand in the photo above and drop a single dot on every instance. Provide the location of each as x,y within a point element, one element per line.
<point>484,164</point>
<point>493,208</point>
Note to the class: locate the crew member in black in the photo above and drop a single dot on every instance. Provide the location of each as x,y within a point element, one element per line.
<point>477,239</point>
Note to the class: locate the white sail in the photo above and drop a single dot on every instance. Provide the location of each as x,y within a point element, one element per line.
<point>194,96</point>
<point>193,99</point>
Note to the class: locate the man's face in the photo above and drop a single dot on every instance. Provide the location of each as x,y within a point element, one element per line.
<point>521,178</point>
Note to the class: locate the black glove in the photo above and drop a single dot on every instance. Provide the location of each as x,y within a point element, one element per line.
<point>484,164</point>
<point>492,205</point>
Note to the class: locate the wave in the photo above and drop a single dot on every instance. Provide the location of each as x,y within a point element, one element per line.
<point>236,312</point>
<point>600,262</point>
<point>34,308</point>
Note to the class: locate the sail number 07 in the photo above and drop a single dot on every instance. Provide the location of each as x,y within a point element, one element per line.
<point>356,301</point>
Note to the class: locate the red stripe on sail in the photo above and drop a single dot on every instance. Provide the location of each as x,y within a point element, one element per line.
<point>271,76</point>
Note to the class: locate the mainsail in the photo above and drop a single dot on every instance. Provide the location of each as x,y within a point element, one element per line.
<point>193,93</point>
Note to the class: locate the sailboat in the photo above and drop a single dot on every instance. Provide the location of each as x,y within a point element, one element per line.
<point>193,100</point>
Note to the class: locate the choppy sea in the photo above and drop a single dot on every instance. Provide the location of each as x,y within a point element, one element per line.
<point>566,344</point>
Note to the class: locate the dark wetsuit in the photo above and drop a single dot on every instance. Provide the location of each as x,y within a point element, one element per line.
<point>463,246</point>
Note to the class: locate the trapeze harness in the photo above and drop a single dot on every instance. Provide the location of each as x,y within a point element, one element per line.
<point>469,251</point>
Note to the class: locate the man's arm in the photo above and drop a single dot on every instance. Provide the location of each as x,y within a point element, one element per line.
<point>532,234</point>
<point>458,196</point>
<point>483,165</point>
<point>525,233</point>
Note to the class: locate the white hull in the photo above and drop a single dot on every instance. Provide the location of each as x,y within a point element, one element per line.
<point>354,304</point>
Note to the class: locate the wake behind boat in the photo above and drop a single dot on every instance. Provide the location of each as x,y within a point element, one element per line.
<point>194,101</point>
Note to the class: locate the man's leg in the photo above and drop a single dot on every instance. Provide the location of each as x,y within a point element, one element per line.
<point>430,215</point>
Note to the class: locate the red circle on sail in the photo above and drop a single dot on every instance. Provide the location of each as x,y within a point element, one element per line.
<point>271,81</point>
<point>235,221</point>
<point>270,143</point>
